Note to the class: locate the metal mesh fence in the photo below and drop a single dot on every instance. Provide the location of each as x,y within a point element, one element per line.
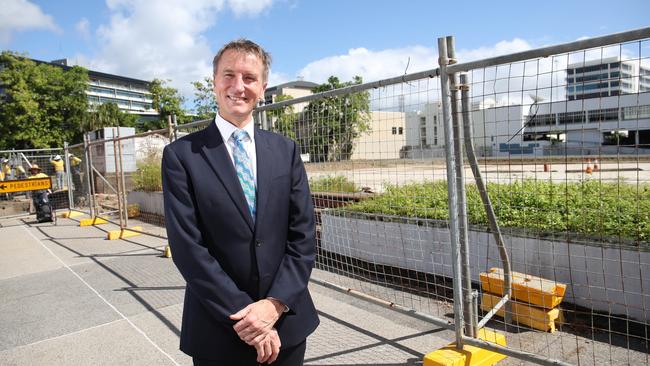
<point>17,168</point>
<point>565,147</point>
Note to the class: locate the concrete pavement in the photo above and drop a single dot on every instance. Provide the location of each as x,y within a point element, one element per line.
<point>71,297</point>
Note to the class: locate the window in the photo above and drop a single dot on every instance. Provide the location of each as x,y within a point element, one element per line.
<point>435,135</point>
<point>601,115</point>
<point>394,130</point>
<point>542,120</point>
<point>636,112</point>
<point>401,130</point>
<point>571,117</point>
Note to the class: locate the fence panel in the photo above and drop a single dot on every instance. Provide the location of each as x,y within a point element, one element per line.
<point>566,154</point>
<point>17,164</point>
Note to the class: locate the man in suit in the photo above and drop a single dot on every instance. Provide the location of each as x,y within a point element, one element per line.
<point>240,223</point>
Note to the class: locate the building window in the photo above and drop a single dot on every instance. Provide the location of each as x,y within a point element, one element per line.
<point>601,115</point>
<point>542,120</point>
<point>401,130</point>
<point>571,117</point>
<point>394,130</point>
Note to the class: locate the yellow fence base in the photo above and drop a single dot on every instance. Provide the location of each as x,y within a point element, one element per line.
<point>534,317</point>
<point>469,355</point>
<point>71,214</point>
<point>92,221</point>
<point>526,288</point>
<point>123,233</point>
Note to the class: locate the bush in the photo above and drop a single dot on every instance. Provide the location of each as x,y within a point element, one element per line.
<point>590,208</point>
<point>332,184</point>
<point>148,177</point>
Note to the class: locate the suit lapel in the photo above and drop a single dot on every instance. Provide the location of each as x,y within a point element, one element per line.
<point>265,165</point>
<point>216,154</point>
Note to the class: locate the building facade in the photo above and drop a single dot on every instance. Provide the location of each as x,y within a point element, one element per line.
<point>606,77</point>
<point>130,95</point>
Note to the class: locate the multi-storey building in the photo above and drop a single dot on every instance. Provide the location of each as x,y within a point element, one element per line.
<point>131,95</point>
<point>606,77</point>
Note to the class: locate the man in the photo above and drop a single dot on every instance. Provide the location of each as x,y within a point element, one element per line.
<point>240,224</point>
<point>59,169</point>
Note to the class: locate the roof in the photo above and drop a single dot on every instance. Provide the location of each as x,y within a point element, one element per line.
<point>96,74</point>
<point>297,84</point>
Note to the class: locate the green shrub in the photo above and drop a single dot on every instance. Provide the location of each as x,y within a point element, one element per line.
<point>148,177</point>
<point>590,208</point>
<point>332,184</point>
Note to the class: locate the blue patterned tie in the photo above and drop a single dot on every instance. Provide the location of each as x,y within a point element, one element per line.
<point>244,168</point>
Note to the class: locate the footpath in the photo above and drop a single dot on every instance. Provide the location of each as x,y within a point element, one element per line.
<point>69,296</point>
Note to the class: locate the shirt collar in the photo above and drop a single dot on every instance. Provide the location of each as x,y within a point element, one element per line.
<point>226,128</point>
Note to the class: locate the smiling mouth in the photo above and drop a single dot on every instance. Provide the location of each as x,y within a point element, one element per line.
<point>238,99</point>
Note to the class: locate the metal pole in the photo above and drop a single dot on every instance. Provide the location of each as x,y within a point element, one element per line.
<point>468,310</point>
<point>68,174</point>
<point>123,191</point>
<point>117,180</point>
<point>489,210</point>
<point>87,156</point>
<point>451,191</point>
<point>170,129</point>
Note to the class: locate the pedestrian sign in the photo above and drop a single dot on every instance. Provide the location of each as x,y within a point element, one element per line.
<point>21,185</point>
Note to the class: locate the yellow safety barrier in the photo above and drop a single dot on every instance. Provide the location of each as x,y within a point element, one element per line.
<point>92,221</point>
<point>534,317</point>
<point>469,355</point>
<point>526,288</point>
<point>123,233</point>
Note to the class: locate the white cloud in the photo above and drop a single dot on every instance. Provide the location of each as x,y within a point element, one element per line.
<point>83,28</point>
<point>22,15</point>
<point>247,7</point>
<point>163,39</point>
<point>376,65</point>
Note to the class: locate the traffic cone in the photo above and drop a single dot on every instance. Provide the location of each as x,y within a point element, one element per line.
<point>589,170</point>
<point>596,167</point>
<point>547,167</point>
<point>168,252</point>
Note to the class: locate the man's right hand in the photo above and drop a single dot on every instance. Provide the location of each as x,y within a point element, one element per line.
<point>269,348</point>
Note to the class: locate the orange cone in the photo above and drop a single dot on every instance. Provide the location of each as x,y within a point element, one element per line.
<point>596,167</point>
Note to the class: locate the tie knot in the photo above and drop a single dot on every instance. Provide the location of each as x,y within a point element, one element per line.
<point>239,136</point>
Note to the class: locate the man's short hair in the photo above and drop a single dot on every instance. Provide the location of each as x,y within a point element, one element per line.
<point>245,46</point>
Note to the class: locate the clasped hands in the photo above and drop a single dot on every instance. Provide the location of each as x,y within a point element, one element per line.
<point>255,327</point>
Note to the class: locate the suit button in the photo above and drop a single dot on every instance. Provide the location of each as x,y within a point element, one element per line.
<point>258,243</point>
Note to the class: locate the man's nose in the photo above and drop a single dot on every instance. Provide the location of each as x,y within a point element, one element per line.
<point>238,83</point>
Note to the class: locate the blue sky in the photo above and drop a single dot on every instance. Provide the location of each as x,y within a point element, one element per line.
<point>176,39</point>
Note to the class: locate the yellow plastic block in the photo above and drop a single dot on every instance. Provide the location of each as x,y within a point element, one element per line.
<point>469,355</point>
<point>526,288</point>
<point>92,221</point>
<point>71,214</point>
<point>124,233</point>
<point>534,317</point>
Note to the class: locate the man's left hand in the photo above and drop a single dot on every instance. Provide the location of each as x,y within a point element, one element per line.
<point>257,319</point>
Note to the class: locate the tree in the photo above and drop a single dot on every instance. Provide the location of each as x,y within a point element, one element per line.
<point>205,105</point>
<point>42,105</point>
<point>108,115</point>
<point>334,122</point>
<point>167,101</point>
<point>284,118</point>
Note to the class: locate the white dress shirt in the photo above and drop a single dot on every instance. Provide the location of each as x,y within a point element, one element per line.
<point>226,129</point>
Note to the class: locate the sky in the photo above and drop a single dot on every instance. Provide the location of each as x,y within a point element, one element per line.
<point>176,40</point>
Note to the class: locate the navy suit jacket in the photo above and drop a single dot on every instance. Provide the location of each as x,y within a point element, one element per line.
<point>227,259</point>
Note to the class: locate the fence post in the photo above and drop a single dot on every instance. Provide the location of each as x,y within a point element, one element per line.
<point>122,192</point>
<point>117,180</point>
<point>88,156</point>
<point>451,191</point>
<point>468,310</point>
<point>170,129</point>
<point>68,175</point>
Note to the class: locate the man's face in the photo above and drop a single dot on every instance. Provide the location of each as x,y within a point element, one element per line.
<point>238,85</point>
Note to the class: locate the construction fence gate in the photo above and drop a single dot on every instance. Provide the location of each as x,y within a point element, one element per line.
<point>505,199</point>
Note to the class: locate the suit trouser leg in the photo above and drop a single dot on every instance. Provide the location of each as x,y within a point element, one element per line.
<point>293,356</point>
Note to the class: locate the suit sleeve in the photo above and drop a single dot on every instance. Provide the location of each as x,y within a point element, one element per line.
<point>292,277</point>
<point>204,275</point>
